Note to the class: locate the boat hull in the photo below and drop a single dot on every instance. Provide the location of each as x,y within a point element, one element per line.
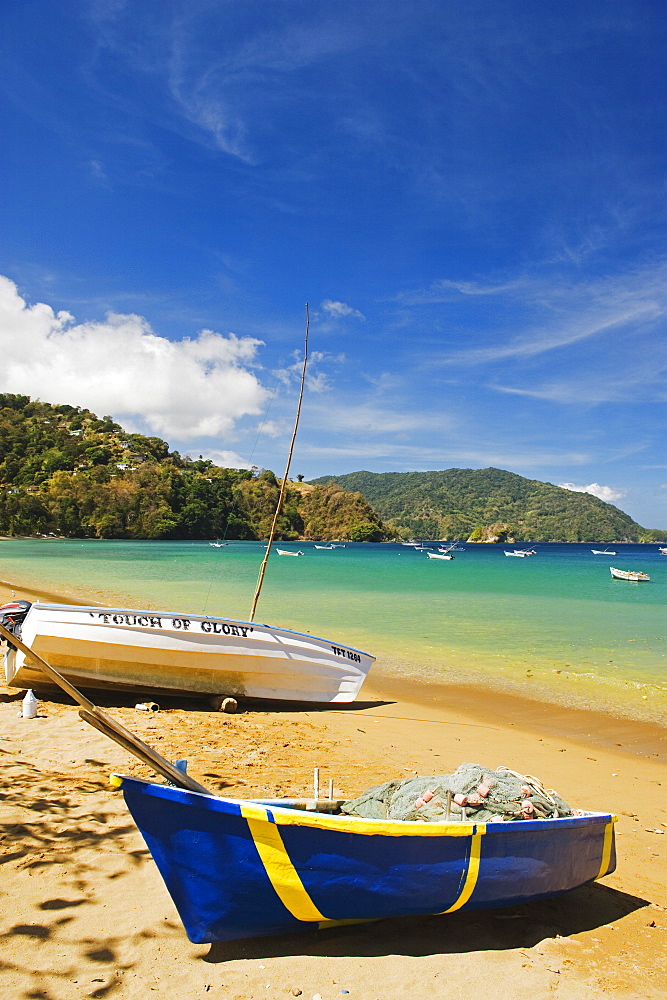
<point>633,575</point>
<point>148,651</point>
<point>237,869</point>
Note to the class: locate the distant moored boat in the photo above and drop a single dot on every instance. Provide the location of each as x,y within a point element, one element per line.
<point>624,574</point>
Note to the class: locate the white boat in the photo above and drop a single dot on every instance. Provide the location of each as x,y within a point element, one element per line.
<point>625,574</point>
<point>439,555</point>
<point>519,555</point>
<point>218,545</point>
<point>154,651</point>
<point>606,552</point>
<point>285,552</point>
<point>325,547</point>
<point>662,551</point>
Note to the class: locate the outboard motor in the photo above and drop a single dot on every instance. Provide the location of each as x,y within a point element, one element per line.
<point>12,615</point>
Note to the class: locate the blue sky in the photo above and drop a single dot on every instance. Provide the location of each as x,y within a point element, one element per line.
<point>470,196</point>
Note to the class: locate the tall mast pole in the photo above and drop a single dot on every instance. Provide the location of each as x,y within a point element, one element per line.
<point>262,569</point>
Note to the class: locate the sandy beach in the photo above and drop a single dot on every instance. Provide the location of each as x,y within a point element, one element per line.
<point>85,913</point>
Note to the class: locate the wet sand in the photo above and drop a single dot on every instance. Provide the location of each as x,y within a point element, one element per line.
<point>84,911</point>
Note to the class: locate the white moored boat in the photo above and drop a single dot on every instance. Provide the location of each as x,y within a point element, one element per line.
<point>625,574</point>
<point>286,552</point>
<point>153,651</point>
<point>439,555</point>
<point>606,552</point>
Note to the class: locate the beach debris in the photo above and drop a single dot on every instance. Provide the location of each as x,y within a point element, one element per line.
<point>223,703</point>
<point>29,705</point>
<point>296,992</point>
<point>147,706</point>
<point>472,793</point>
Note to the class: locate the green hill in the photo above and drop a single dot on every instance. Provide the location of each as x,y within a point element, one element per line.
<point>65,471</point>
<point>460,503</point>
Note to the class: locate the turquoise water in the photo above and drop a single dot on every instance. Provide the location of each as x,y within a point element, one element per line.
<point>555,624</point>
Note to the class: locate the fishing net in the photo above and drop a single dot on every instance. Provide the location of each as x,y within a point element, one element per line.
<point>473,793</point>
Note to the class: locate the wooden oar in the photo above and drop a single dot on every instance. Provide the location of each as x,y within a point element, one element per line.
<point>94,716</point>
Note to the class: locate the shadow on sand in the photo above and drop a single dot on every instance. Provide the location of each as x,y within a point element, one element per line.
<point>128,699</point>
<point>522,926</point>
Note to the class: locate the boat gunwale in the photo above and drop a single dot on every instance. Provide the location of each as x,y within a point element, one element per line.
<point>283,815</point>
<point>103,609</point>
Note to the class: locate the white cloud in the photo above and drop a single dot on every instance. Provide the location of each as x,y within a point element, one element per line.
<point>339,309</point>
<point>558,315</point>
<point>574,330</point>
<point>180,389</point>
<point>445,290</point>
<point>415,458</point>
<point>370,418</point>
<point>315,381</point>
<point>229,89</point>
<point>270,429</point>
<point>224,459</point>
<point>606,493</point>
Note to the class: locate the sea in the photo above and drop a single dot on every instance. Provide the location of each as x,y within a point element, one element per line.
<point>553,626</point>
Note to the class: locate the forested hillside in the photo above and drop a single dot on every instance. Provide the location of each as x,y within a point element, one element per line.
<point>461,503</point>
<point>65,471</point>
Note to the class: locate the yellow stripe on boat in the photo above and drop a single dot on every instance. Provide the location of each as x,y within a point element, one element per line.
<point>286,880</point>
<point>281,872</point>
<point>606,848</point>
<point>368,827</point>
<point>473,870</point>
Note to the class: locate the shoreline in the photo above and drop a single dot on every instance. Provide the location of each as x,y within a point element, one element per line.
<point>530,715</point>
<point>597,724</point>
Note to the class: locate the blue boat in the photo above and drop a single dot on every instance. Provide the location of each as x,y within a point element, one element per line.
<point>250,868</point>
